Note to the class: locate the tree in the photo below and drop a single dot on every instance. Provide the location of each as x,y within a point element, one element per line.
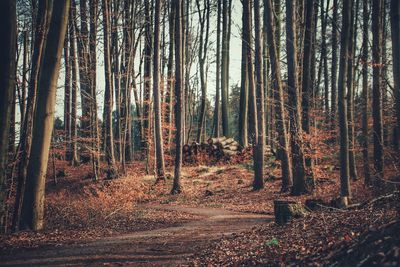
<point>33,204</point>
<point>179,109</point>
<point>307,80</point>
<point>342,108</point>
<point>225,67</point>
<point>156,94</point>
<point>395,28</point>
<point>244,87</point>
<point>296,140</point>
<point>280,119</point>
<point>376,87</point>
<point>41,28</point>
<point>259,148</point>
<point>334,64</point>
<point>365,93</point>
<point>204,20</point>
<point>108,96</point>
<point>217,115</point>
<point>350,93</point>
<point>8,31</point>
<point>74,88</point>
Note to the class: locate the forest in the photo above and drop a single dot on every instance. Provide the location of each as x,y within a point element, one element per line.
<point>200,132</point>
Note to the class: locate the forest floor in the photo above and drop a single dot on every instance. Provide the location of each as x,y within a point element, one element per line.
<point>217,220</point>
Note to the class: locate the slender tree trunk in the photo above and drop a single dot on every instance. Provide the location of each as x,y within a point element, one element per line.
<point>365,92</point>
<point>350,96</point>
<point>252,112</point>
<point>147,84</point>
<point>33,205</point>
<point>307,82</point>
<point>345,191</point>
<point>259,149</point>
<point>279,108</point>
<point>334,64</point>
<point>204,20</point>
<point>395,26</point>
<point>217,115</point>
<point>41,27</point>
<point>244,88</point>
<point>324,52</point>
<point>224,68</point>
<point>296,140</point>
<point>156,95</point>
<point>67,100</point>
<point>108,96</point>
<point>74,89</point>
<point>94,127</point>
<point>376,88</point>
<point>8,32</point>
<point>170,79</point>
<point>179,109</point>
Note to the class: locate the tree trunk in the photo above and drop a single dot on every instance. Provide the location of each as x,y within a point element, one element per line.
<point>74,94</point>
<point>395,26</point>
<point>33,205</point>
<point>376,88</point>
<point>8,31</point>
<point>147,84</point>
<point>350,95</point>
<point>224,68</point>
<point>94,127</point>
<point>204,20</point>
<point>259,148</point>
<point>108,95</point>
<point>296,140</point>
<point>67,100</point>
<point>179,109</point>
<point>41,27</point>
<point>156,94</point>
<point>342,107</point>
<point>334,64</point>
<point>279,106</point>
<point>244,87</point>
<point>217,115</point>
<point>307,82</point>
<point>365,92</point>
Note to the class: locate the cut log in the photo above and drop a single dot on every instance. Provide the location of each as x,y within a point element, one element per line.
<point>285,210</point>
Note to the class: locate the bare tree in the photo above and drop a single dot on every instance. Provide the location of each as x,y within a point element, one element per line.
<point>179,109</point>
<point>395,26</point>
<point>156,94</point>
<point>8,31</point>
<point>296,140</point>
<point>345,192</point>
<point>376,87</point>
<point>33,204</point>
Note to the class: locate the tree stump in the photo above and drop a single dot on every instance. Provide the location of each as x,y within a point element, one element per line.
<point>285,210</point>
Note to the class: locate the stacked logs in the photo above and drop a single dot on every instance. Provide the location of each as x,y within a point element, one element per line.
<point>218,149</point>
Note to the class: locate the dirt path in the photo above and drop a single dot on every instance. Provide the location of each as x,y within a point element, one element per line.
<point>162,247</point>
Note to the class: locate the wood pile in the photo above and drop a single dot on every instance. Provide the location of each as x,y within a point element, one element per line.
<point>216,149</point>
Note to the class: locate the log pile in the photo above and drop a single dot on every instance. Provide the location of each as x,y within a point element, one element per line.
<point>216,149</point>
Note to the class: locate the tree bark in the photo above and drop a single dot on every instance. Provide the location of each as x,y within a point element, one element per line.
<point>259,148</point>
<point>296,140</point>
<point>279,106</point>
<point>8,31</point>
<point>179,109</point>
<point>345,191</point>
<point>156,94</point>
<point>33,204</point>
<point>108,95</point>
<point>376,88</point>
<point>365,93</point>
<point>395,28</point>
